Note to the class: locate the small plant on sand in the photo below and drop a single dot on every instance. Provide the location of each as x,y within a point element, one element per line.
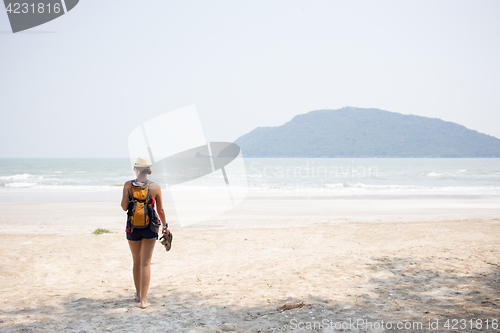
<point>99,231</point>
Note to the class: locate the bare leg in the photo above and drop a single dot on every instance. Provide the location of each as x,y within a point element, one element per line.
<point>146,252</point>
<point>135,248</point>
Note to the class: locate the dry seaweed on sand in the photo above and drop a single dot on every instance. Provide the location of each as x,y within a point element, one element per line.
<point>291,306</point>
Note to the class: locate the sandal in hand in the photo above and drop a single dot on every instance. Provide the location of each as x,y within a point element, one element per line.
<point>166,240</point>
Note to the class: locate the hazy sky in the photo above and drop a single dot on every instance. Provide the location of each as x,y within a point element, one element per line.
<point>77,86</point>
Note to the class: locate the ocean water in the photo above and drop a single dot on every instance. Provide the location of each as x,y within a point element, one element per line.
<point>98,179</point>
<point>375,177</point>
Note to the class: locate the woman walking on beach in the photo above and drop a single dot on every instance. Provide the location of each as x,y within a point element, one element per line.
<point>142,240</point>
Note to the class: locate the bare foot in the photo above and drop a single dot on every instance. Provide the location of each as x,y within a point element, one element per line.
<point>137,298</point>
<point>144,305</point>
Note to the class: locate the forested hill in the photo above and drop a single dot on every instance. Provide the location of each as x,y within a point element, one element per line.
<point>356,132</point>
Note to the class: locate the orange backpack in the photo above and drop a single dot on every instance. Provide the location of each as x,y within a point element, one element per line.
<point>139,207</point>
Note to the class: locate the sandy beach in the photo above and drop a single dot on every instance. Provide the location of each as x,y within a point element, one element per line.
<point>356,274</point>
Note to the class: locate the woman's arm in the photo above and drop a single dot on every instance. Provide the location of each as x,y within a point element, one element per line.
<point>126,194</point>
<point>159,209</point>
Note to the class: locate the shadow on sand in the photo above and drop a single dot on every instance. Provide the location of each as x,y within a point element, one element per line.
<point>408,293</point>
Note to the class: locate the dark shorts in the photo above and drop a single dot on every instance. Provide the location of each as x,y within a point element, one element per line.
<point>139,234</point>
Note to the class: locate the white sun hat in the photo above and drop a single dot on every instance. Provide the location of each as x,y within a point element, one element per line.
<point>142,162</point>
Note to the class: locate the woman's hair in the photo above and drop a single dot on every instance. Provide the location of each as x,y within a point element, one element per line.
<point>146,170</point>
